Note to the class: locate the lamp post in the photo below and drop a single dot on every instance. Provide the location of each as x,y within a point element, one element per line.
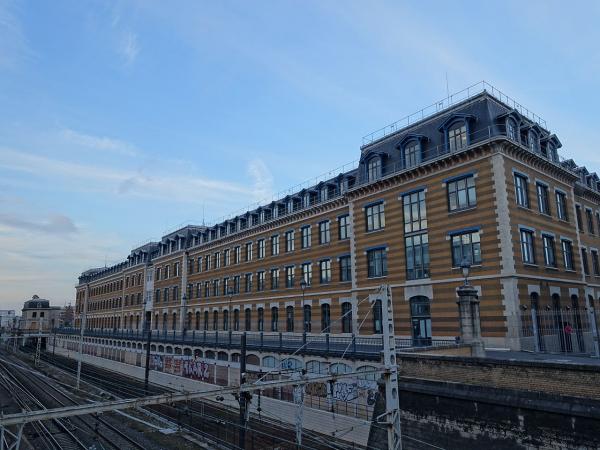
<point>468,312</point>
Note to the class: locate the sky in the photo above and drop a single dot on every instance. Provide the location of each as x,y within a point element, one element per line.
<point>122,120</point>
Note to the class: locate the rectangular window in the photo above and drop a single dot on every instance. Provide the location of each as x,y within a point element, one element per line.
<point>236,284</point>
<point>261,248</point>
<point>227,257</point>
<point>584,261</point>
<point>199,264</point>
<point>343,227</point>
<point>561,206</point>
<point>595,263</point>
<point>249,251</point>
<point>542,198</point>
<point>260,281</point>
<point>289,241</point>
<point>412,154</point>
<point>375,217</point>
<point>248,282</point>
<point>176,269</point>
<point>461,193</point>
<point>590,220</point>
<point>217,260</point>
<point>226,286</point>
<point>208,262</point>
<point>206,289</point>
<point>415,214</point>
<point>274,245</point>
<point>325,271</point>
<point>521,191</point>
<point>307,273</point>
<point>324,232</point>
<point>237,254</point>
<point>377,262</point>
<point>216,284</point>
<point>527,247</point>
<point>305,236</point>
<point>198,290</point>
<point>549,250</point>
<point>289,276</point>
<point>157,276</point>
<point>457,138</point>
<point>578,216</point>
<point>417,256</point>
<point>567,248</point>
<point>274,278</point>
<point>466,246</point>
<point>345,269</point>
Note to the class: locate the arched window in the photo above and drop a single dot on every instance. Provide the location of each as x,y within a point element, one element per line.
<point>174,321</point>
<point>248,319</point>
<point>339,368</point>
<point>307,318</point>
<point>205,320</point>
<point>420,312</point>
<point>236,320</point>
<point>197,325</point>
<point>165,321</point>
<point>576,326</point>
<point>377,318</point>
<point>215,320</point>
<point>374,168</point>
<point>412,153</point>
<point>511,130</point>
<point>346,317</point>
<point>533,142</point>
<point>325,318</point>
<point>289,319</point>
<point>261,319</point>
<point>226,320</point>
<point>189,321</point>
<point>269,361</point>
<point>274,318</point>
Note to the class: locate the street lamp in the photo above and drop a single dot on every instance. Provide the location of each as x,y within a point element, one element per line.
<point>465,265</point>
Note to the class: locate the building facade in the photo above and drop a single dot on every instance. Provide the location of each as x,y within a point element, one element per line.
<point>479,180</point>
<point>39,316</point>
<point>7,319</point>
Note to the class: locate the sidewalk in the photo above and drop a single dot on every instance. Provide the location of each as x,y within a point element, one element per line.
<point>560,358</point>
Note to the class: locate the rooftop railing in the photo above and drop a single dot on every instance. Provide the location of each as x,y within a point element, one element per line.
<point>445,103</point>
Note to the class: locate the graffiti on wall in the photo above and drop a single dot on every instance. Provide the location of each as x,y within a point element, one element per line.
<point>187,366</point>
<point>196,369</point>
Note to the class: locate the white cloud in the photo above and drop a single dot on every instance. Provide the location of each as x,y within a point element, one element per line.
<point>99,143</point>
<point>263,179</point>
<point>128,47</point>
<point>13,43</point>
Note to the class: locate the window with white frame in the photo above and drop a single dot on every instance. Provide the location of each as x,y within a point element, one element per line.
<point>567,249</point>
<point>466,246</point>
<point>274,278</point>
<point>305,235</point>
<point>543,198</point>
<point>307,273</point>
<point>549,250</point>
<point>461,193</point>
<point>595,263</point>
<point>521,191</point>
<point>275,245</point>
<point>561,206</point>
<point>375,216</point>
<point>289,241</point>
<point>227,257</point>
<point>261,248</point>
<point>527,246</point>
<point>377,262</point>
<point>249,251</point>
<point>344,227</point>
<point>325,271</point>
<point>260,281</point>
<point>412,154</point>
<point>324,232</point>
<point>457,137</point>
<point>584,261</point>
<point>374,169</point>
<point>289,276</point>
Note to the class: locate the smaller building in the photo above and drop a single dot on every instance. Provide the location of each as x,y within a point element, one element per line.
<point>38,315</point>
<point>7,319</point>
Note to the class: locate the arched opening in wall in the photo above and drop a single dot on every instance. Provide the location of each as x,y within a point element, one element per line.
<point>236,320</point>
<point>139,346</point>
<point>269,361</point>
<point>169,349</point>
<point>174,323</point>
<point>346,317</point>
<point>339,368</point>
<point>198,353</point>
<point>153,348</point>
<point>536,319</point>
<point>205,320</point>
<point>576,325</point>
<point>226,320</point>
<point>377,317</point>
<point>178,350</point>
<point>164,322</point>
<point>161,348</point>
<point>274,318</point>
<point>188,325</point>
<point>420,312</point>
<point>156,321</point>
<point>197,324</point>
<point>248,319</point>
<point>187,352</point>
<point>558,321</point>
<point>235,357</point>
<point>307,318</point>
<point>209,354</point>
<point>223,356</point>
<point>289,319</point>
<point>253,360</point>
<point>325,318</point>
<point>315,366</point>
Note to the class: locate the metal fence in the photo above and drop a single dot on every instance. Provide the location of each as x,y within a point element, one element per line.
<point>561,330</point>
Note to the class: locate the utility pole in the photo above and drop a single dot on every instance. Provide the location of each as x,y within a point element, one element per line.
<point>148,340</point>
<point>391,417</point>
<point>244,396</point>
<point>82,328</point>
<point>38,345</point>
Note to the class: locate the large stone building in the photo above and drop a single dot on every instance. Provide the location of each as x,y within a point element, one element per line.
<point>7,319</point>
<point>478,179</point>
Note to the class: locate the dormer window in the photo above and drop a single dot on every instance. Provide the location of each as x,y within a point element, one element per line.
<point>290,206</point>
<point>533,142</point>
<point>412,154</point>
<point>511,130</point>
<point>306,200</point>
<point>374,169</point>
<point>457,136</point>
<point>324,193</point>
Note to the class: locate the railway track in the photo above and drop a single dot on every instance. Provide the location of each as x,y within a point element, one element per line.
<point>214,423</point>
<point>32,391</point>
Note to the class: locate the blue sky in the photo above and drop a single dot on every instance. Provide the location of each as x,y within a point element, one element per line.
<point>121,120</point>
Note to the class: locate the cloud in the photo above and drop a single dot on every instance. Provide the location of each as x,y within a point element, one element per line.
<point>128,47</point>
<point>13,43</point>
<point>99,142</point>
<point>54,224</point>
<point>263,179</point>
